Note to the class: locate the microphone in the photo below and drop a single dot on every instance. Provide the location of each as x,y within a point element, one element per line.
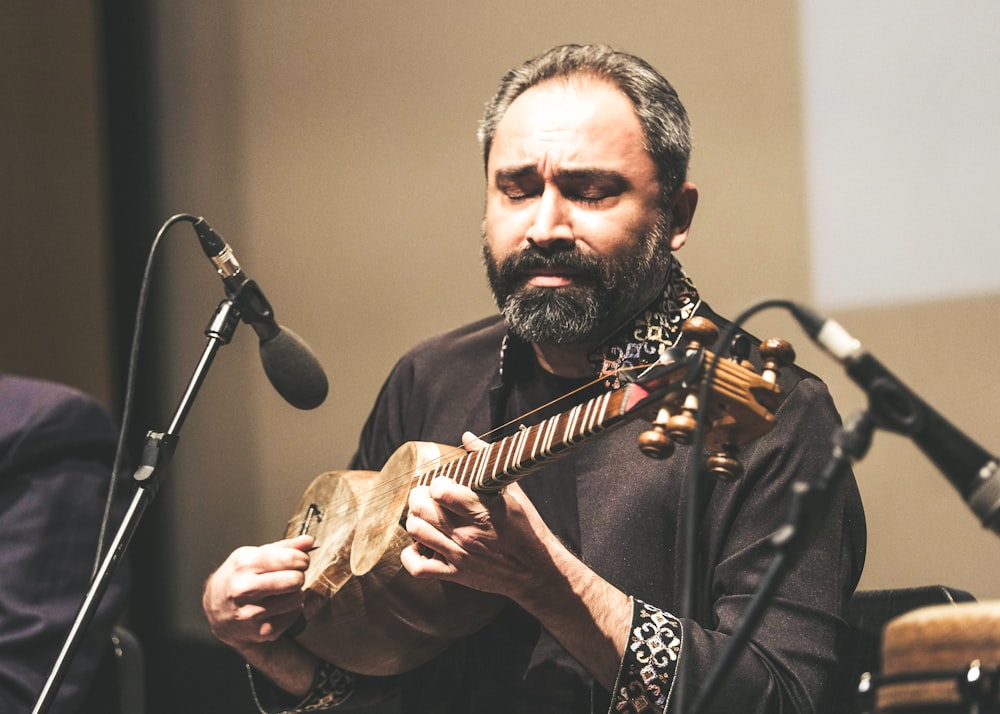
<point>968,467</point>
<point>290,365</point>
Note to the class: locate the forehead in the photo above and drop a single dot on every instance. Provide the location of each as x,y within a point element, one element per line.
<point>571,123</point>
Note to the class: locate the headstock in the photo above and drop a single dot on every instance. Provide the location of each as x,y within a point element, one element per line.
<point>740,408</point>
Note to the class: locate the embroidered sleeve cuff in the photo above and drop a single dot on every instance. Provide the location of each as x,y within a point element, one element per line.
<point>648,667</point>
<point>332,687</point>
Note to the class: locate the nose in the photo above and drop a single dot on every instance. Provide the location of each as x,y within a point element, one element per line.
<point>551,226</point>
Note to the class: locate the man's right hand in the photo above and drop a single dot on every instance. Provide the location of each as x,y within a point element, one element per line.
<point>256,594</point>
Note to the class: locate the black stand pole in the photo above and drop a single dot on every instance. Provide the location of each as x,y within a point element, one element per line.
<point>156,453</point>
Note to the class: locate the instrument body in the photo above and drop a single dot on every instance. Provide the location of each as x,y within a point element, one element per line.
<point>365,613</point>
<point>375,618</point>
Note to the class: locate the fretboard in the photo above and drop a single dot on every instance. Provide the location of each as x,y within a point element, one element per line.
<point>513,457</point>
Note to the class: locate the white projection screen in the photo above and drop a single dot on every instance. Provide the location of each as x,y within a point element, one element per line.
<point>902,114</point>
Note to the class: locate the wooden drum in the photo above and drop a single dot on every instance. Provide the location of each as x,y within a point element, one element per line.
<point>943,659</point>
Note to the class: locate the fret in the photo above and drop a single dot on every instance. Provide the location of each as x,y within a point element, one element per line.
<point>482,460</point>
<point>506,450</point>
<point>451,470</point>
<point>538,449</point>
<point>599,418</point>
<point>522,437</point>
<point>471,466</point>
<point>587,425</point>
<point>472,471</point>
<point>494,448</point>
<point>534,433</point>
<point>446,470</point>
<point>585,419</point>
<point>503,457</point>
<point>548,435</point>
<point>572,417</point>
<point>467,466</point>
<point>461,468</point>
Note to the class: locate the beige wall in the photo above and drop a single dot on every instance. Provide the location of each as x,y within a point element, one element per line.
<point>54,292</point>
<point>333,145</point>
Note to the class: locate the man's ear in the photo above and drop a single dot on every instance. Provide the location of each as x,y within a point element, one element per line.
<point>682,213</point>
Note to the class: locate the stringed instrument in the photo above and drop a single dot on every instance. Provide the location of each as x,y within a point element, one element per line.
<point>365,613</point>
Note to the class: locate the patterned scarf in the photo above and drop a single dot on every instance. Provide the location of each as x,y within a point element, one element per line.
<point>652,331</point>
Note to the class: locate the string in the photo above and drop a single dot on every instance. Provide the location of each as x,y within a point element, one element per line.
<point>377,515</point>
<point>389,486</point>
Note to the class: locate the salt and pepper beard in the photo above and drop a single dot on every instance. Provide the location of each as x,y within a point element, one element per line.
<point>605,290</point>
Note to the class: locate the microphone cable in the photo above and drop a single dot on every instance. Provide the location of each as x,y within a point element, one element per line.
<point>133,361</point>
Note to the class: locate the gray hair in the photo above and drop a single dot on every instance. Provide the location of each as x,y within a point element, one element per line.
<point>661,115</point>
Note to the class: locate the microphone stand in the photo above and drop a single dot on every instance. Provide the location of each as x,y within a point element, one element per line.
<point>156,453</point>
<point>810,502</point>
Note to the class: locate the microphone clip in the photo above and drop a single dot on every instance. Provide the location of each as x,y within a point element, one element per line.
<point>253,307</point>
<point>894,407</point>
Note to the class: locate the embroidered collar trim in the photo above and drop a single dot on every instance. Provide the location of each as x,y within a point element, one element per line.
<point>653,330</point>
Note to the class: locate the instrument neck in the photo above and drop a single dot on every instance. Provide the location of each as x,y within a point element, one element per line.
<point>502,462</point>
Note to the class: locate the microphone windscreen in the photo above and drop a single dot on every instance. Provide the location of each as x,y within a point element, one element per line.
<point>293,369</point>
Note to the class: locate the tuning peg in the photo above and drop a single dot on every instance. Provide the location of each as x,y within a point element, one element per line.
<point>680,427</point>
<point>777,353</point>
<point>654,442</point>
<point>700,332</point>
<point>739,351</point>
<point>724,465</point>
<point>740,404</point>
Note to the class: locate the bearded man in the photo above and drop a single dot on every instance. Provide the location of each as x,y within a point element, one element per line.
<point>587,199</point>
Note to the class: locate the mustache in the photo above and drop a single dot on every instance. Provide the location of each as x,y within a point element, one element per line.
<point>523,264</point>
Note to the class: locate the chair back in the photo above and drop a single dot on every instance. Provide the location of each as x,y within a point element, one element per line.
<point>120,683</point>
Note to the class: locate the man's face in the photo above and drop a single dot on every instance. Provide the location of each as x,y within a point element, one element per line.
<point>574,238</point>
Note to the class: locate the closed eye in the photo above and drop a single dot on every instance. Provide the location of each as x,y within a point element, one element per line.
<point>520,184</point>
<point>592,186</point>
<point>586,186</point>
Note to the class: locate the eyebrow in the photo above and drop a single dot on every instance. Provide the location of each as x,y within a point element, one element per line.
<point>515,173</point>
<point>592,175</point>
